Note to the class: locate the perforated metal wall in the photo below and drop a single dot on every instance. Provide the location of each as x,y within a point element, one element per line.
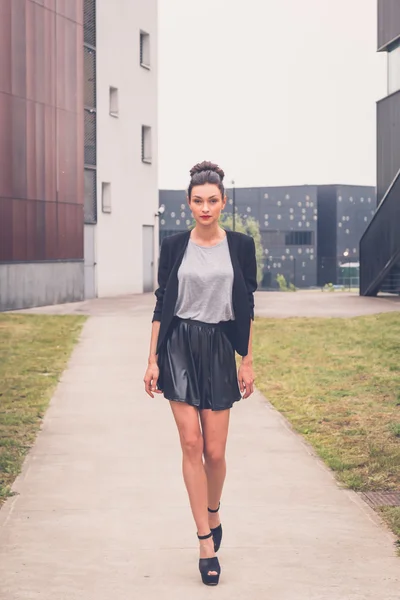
<point>90,77</point>
<point>89,21</point>
<point>90,206</point>
<point>90,209</point>
<point>90,137</point>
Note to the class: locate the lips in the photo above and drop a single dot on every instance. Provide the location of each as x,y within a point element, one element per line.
<point>205,217</point>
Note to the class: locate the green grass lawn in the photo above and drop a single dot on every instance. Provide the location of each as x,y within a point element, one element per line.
<point>34,351</point>
<point>338,382</point>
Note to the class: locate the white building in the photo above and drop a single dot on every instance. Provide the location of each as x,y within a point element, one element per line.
<point>120,236</point>
<point>78,151</point>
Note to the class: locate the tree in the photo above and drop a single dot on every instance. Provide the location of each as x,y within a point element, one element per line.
<point>251,227</point>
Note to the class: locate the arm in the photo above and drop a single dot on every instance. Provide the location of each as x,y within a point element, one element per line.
<point>163,273</point>
<point>246,373</point>
<point>248,359</point>
<point>155,330</point>
<point>152,372</point>
<point>250,273</point>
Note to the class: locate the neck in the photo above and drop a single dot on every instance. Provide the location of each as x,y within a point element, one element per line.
<point>208,233</point>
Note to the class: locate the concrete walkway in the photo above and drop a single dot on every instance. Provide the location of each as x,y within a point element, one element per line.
<point>268,304</point>
<point>102,512</point>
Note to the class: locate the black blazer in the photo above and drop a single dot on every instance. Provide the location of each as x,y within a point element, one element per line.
<point>243,257</point>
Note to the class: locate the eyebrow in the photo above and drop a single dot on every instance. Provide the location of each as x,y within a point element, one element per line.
<point>210,198</point>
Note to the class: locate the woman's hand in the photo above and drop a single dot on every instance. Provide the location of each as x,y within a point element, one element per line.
<point>246,379</point>
<point>151,378</point>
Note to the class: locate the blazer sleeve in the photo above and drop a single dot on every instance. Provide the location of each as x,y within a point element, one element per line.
<point>250,273</point>
<point>163,274</point>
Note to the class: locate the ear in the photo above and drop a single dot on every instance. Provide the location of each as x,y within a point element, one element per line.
<point>188,200</point>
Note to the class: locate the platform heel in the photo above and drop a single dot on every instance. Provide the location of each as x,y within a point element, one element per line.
<point>209,564</point>
<point>216,531</point>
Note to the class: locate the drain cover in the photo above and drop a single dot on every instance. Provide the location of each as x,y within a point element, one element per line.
<point>381,498</point>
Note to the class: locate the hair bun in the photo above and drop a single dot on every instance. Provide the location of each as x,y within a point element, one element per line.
<point>207,166</point>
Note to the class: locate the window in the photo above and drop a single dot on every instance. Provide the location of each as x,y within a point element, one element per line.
<point>394,69</point>
<point>106,197</point>
<point>272,238</point>
<point>146,144</point>
<point>145,50</point>
<point>298,238</point>
<point>114,106</point>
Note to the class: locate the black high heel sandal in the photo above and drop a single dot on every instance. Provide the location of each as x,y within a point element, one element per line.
<point>209,564</point>
<point>216,531</point>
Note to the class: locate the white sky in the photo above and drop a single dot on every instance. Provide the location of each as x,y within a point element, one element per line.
<point>278,92</point>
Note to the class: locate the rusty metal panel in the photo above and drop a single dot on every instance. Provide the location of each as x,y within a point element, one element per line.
<point>5,42</point>
<point>41,151</point>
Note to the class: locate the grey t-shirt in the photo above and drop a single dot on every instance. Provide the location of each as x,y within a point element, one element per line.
<point>205,283</point>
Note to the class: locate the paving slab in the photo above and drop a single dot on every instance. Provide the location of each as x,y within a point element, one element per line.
<point>101,511</point>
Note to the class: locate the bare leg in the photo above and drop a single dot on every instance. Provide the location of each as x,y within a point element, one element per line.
<point>215,425</point>
<point>187,420</point>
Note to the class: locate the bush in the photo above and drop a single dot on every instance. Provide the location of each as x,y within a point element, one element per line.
<point>328,287</point>
<point>283,287</point>
<point>251,227</point>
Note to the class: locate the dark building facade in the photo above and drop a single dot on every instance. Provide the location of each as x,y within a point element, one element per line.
<point>288,225</point>
<point>344,212</point>
<point>380,245</point>
<point>41,152</point>
<point>306,231</point>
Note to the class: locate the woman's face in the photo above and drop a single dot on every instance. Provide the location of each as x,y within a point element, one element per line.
<point>206,204</point>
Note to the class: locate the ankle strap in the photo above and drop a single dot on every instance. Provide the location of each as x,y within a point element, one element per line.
<point>204,537</point>
<point>216,510</point>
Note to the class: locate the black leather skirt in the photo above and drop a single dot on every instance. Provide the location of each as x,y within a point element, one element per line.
<point>197,365</point>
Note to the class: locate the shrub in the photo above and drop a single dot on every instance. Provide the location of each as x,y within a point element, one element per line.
<point>282,283</point>
<point>251,227</point>
<point>328,287</point>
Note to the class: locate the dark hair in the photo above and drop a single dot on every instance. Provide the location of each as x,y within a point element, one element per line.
<point>206,172</point>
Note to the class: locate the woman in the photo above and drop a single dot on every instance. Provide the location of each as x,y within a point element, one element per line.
<point>204,312</point>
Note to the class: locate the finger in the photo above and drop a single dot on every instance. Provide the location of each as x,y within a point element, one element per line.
<point>157,390</point>
<point>241,385</point>
<point>154,386</point>
<point>249,389</point>
<point>147,388</point>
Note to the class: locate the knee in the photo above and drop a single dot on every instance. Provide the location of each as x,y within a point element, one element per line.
<point>192,446</point>
<point>214,456</point>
